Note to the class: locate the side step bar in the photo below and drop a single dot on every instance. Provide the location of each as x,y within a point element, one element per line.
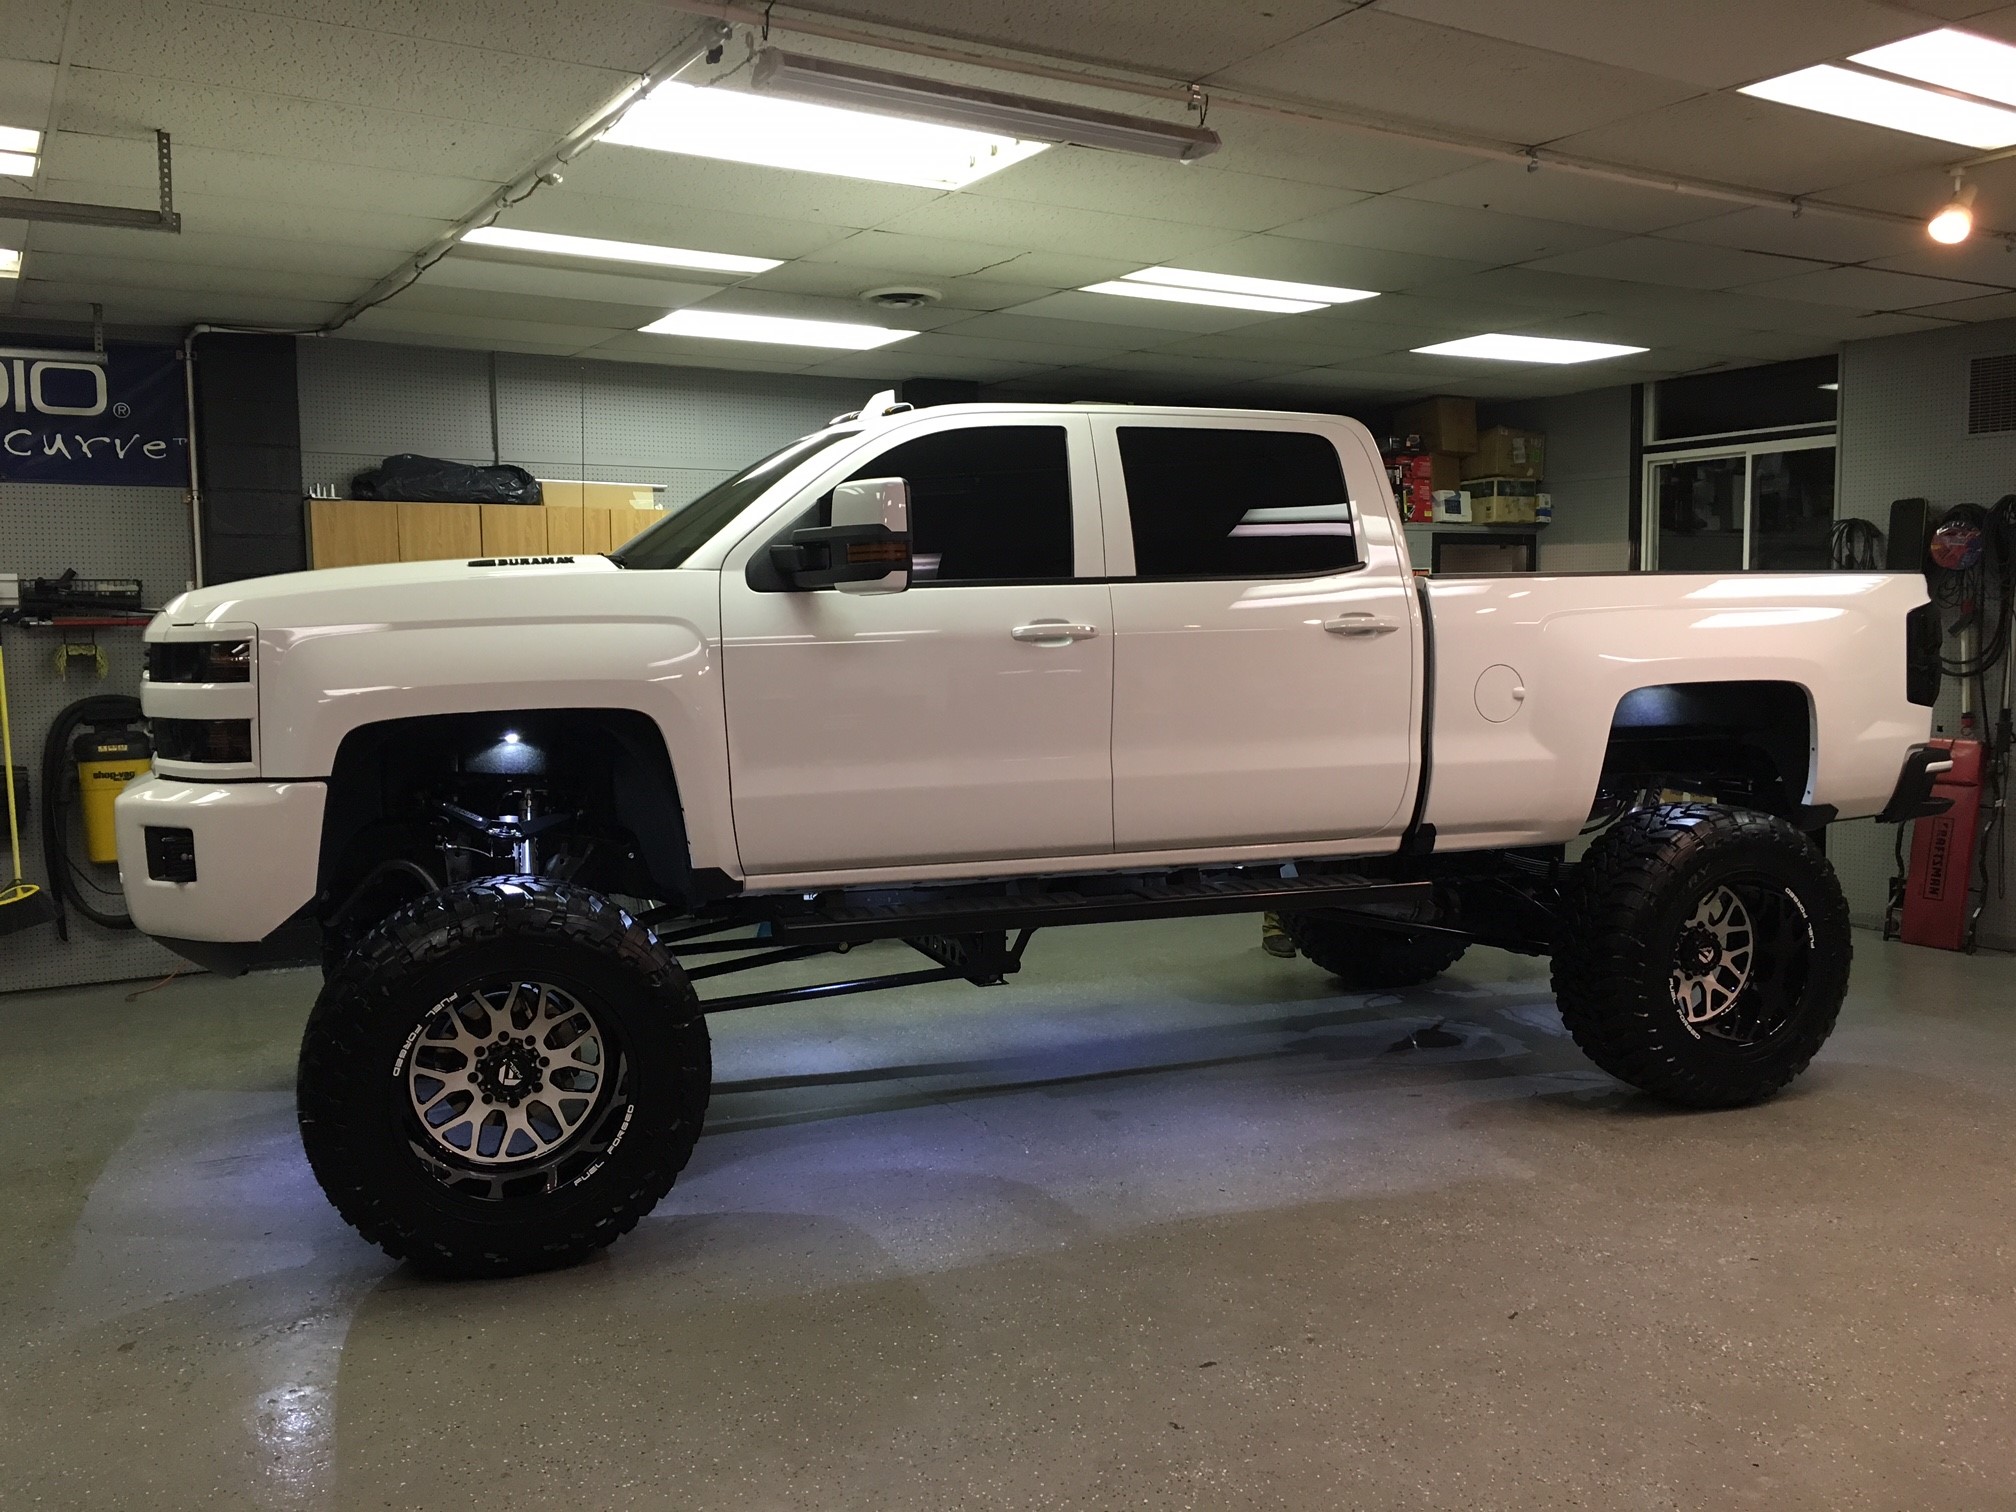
<point>838,922</point>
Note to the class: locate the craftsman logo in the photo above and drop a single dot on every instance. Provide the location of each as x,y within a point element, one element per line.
<point>1938,859</point>
<point>120,419</point>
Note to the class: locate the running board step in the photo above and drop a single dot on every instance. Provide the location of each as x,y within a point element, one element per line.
<point>837,922</point>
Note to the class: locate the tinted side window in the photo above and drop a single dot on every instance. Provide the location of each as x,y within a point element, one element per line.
<point>991,504</point>
<point>1207,502</point>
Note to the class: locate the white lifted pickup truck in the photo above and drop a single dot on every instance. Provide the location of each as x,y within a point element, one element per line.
<point>951,676</point>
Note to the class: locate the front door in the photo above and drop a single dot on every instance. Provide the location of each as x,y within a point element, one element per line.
<point>1266,670</point>
<point>968,719</point>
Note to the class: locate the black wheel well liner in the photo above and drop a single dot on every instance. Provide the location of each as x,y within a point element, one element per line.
<point>644,790</point>
<point>1757,731</point>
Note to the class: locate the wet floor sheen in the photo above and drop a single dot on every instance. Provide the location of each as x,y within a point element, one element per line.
<point>1164,1224</point>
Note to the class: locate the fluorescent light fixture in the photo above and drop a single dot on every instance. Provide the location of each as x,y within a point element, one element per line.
<point>1502,348</point>
<point>775,330</point>
<point>20,139</point>
<point>17,165</point>
<point>1832,388</point>
<point>751,128</point>
<point>10,263</point>
<point>1204,297</point>
<point>1233,283</point>
<point>1837,91</point>
<point>1952,59</point>
<point>618,251</point>
<point>825,82</point>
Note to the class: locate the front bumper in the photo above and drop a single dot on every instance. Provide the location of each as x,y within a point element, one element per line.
<point>257,847</point>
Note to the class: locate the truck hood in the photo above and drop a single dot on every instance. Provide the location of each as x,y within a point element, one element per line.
<point>405,593</point>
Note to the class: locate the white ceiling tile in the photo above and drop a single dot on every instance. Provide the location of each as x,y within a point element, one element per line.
<point>620,34</point>
<point>58,299</point>
<point>1865,289</point>
<point>1714,43</point>
<point>1046,331</point>
<point>316,258</point>
<point>1138,314</point>
<point>570,212</point>
<point>1115,183</point>
<point>953,341</point>
<point>33,30</point>
<point>201,115</point>
<point>474,268</point>
<point>1284,344</point>
<point>1660,332</point>
<point>1735,138</point>
<point>1306,261</point>
<point>1921,191</point>
<point>1060,270</point>
<point>136,270</point>
<point>1377,63</point>
<point>1317,152</point>
<point>1085,233</point>
<point>523,309</point>
<point>1651,259</point>
<point>914,256</point>
<point>1987,307</point>
<point>693,351</point>
<point>901,362</point>
<point>1978,260</point>
<point>1394,223</point>
<point>219,215</point>
<point>310,59</point>
<point>1815,234</point>
<point>1561,194</point>
<point>672,178</point>
<point>844,281</point>
<point>461,327</point>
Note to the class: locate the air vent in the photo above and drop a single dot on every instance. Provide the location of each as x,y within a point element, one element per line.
<point>1991,395</point>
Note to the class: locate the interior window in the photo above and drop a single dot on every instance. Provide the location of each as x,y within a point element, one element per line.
<point>988,504</point>
<point>1207,502</point>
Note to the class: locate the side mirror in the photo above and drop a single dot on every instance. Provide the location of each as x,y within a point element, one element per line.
<point>865,550</point>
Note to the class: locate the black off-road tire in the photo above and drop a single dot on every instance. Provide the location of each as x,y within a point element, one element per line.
<point>364,1134</point>
<point>1621,961</point>
<point>1365,959</point>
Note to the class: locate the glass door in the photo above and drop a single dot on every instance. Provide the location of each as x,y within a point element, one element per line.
<point>1792,509</point>
<point>1699,506</point>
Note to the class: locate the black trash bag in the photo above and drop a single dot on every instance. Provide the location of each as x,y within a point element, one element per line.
<point>435,480</point>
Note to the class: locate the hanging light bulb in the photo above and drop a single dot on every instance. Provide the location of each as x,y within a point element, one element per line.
<point>1955,223</point>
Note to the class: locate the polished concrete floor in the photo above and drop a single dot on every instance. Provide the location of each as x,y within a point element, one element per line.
<point>1165,1224</point>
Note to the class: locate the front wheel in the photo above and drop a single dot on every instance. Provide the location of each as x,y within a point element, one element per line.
<point>502,1077</point>
<point>1702,954</point>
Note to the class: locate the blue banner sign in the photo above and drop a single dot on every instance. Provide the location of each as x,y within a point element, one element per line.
<point>126,424</point>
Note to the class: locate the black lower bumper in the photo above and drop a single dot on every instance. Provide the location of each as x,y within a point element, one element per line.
<point>1912,797</point>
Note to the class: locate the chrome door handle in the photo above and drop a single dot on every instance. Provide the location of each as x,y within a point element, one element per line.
<point>1359,624</point>
<point>1053,632</point>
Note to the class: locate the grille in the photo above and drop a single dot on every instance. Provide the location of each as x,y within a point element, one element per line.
<point>1991,395</point>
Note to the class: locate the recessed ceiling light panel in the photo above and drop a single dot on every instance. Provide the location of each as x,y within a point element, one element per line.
<point>1233,283</point>
<point>1502,348</point>
<point>17,165</point>
<point>20,139</point>
<point>1951,59</point>
<point>776,133</point>
<point>1217,297</point>
<point>10,263</point>
<point>617,251</point>
<point>773,330</point>
<point>1837,91</point>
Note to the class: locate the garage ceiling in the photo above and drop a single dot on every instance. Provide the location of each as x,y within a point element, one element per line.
<point>320,144</point>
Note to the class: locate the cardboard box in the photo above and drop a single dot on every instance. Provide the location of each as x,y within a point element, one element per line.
<point>1543,509</point>
<point>1503,452</point>
<point>1503,511</point>
<point>1452,506</point>
<point>1502,488</point>
<point>1447,424</point>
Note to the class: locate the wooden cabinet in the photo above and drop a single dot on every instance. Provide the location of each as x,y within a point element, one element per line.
<point>440,532</point>
<point>515,529</point>
<point>352,532</point>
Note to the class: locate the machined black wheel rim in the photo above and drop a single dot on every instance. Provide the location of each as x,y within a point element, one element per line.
<point>512,1088</point>
<point>1741,961</point>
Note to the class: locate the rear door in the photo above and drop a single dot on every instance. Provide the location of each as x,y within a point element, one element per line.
<point>968,719</point>
<point>1266,656</point>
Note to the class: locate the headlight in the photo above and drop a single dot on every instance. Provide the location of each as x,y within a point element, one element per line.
<point>219,742</point>
<point>219,661</point>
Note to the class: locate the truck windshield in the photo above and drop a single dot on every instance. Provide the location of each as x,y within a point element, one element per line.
<point>676,537</point>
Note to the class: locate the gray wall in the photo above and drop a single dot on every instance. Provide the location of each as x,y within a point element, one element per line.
<point>1904,435</point>
<point>686,428</point>
<point>1588,474</point>
<point>102,532</point>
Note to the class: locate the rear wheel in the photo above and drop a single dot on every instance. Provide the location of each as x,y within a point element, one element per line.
<point>502,1077</point>
<point>1702,954</point>
<point>1366,959</point>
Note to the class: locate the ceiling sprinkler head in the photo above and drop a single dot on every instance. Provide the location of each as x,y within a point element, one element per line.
<point>901,298</point>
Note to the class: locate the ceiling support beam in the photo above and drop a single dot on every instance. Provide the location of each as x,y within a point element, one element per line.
<point>924,44</point>
<point>118,217</point>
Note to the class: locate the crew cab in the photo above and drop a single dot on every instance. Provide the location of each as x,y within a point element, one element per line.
<point>951,676</point>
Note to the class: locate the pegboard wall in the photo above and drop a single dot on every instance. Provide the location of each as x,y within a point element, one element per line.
<point>102,532</point>
<point>1904,435</point>
<point>557,417</point>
